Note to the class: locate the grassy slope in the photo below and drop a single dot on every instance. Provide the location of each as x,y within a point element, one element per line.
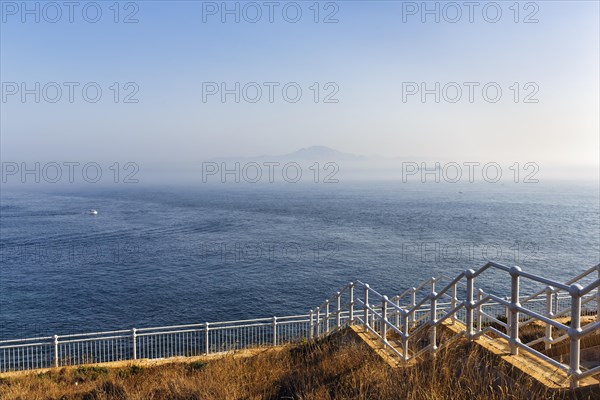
<point>337,368</point>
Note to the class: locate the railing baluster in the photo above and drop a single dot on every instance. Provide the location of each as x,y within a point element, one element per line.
<point>433,318</point>
<point>469,274</point>
<point>274,331</point>
<point>373,326</point>
<point>453,302</point>
<point>133,343</point>
<point>326,316</point>
<point>366,303</point>
<point>478,311</point>
<point>574,331</point>
<point>397,311</point>
<point>384,318</point>
<point>413,303</point>
<point>206,339</point>
<point>55,351</point>
<point>339,309</point>
<point>318,322</point>
<point>514,311</point>
<point>549,314</point>
<point>351,306</point>
<point>405,334</point>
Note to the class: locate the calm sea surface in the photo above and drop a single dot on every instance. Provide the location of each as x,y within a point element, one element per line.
<point>168,256</point>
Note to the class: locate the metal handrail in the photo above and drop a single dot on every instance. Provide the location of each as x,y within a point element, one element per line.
<point>569,282</point>
<point>470,311</point>
<point>150,342</point>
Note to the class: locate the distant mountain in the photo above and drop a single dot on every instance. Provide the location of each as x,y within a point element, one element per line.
<point>308,154</point>
<point>346,166</point>
<point>320,153</point>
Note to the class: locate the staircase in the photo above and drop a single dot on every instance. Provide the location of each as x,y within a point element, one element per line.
<point>552,335</point>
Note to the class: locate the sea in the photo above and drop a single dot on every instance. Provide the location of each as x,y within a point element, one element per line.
<point>169,255</point>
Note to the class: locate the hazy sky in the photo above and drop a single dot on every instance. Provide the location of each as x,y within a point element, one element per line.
<point>369,57</point>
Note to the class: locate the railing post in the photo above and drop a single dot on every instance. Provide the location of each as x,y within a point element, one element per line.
<point>479,316</point>
<point>55,351</point>
<point>384,318</point>
<point>549,314</point>
<point>351,315</point>
<point>574,332</point>
<point>453,302</point>
<point>274,331</point>
<point>327,316</point>
<point>338,320</point>
<point>366,302</point>
<point>318,321</point>
<point>413,302</point>
<point>405,335</point>
<point>133,337</point>
<point>397,311</point>
<point>206,341</point>
<point>514,311</point>
<point>311,329</point>
<point>469,274</point>
<point>433,318</point>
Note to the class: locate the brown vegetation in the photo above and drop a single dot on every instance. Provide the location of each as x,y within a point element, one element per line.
<point>335,368</point>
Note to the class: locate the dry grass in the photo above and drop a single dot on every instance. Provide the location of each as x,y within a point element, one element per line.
<point>336,368</point>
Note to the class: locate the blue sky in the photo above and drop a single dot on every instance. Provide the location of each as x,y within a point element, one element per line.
<point>368,55</point>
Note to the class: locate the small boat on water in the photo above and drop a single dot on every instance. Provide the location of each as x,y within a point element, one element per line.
<point>93,212</point>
